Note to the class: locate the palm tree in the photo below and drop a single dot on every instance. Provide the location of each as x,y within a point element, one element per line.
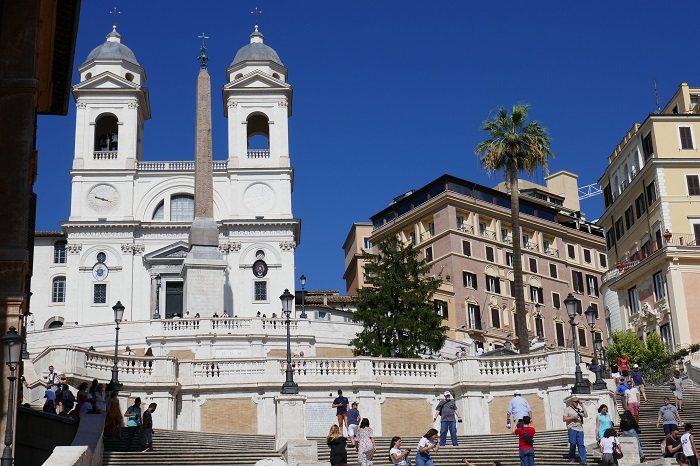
<point>514,146</point>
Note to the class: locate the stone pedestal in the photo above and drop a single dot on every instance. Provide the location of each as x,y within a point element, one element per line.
<point>290,418</point>
<point>203,274</point>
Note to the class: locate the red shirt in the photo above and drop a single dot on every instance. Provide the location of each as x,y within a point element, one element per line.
<point>521,443</point>
<point>624,364</point>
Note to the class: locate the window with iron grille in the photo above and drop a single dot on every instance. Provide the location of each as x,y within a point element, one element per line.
<point>99,293</point>
<point>261,291</point>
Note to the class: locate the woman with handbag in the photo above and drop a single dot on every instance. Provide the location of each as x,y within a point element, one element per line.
<point>366,445</point>
<point>610,448</point>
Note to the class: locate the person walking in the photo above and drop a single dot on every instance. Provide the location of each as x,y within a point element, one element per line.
<point>426,445</point>
<point>148,426</point>
<point>354,419</point>
<point>639,381</point>
<point>620,391</point>
<point>688,443</point>
<point>607,443</point>
<point>133,413</point>
<point>632,397</point>
<point>448,412</point>
<point>603,422</point>
<point>398,456</point>
<point>366,446</point>
<point>518,408</point>
<point>669,415</point>
<point>338,445</point>
<point>113,420</point>
<point>574,415</point>
<point>677,383</point>
<point>341,406</point>
<point>630,428</point>
<point>526,443</point>
<point>624,365</point>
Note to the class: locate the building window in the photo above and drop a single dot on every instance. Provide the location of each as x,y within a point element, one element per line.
<point>571,251</point>
<point>647,146</point>
<point>610,238</point>
<point>512,288</point>
<point>641,205</point>
<point>546,247</point>
<point>536,294</point>
<point>412,238</point>
<point>587,256</point>
<point>659,290</point>
<point>474,316</point>
<point>509,259</point>
<point>553,270</point>
<point>469,280</point>
<point>489,254</point>
<point>495,317</point>
<point>556,301</point>
<point>59,252</point>
<point>366,243</point>
<point>261,291</point>
<point>693,182</point>
<point>592,285</point>
<point>603,260</point>
<point>441,308</point>
<point>633,298</point>
<point>99,293</point>
<point>493,284</point>
<point>159,213</point>
<point>533,265</point>
<point>619,228</point>
<point>686,137</point>
<point>607,195</point>
<point>595,308</point>
<point>460,223</point>
<point>429,254</point>
<point>560,334</point>
<point>431,229</point>
<point>539,327</point>
<point>182,208</point>
<point>482,229</point>
<point>505,236</point>
<point>526,241</point>
<point>582,336</point>
<point>629,217</point>
<point>466,248</point>
<point>58,292</point>
<point>577,281</point>
<point>665,331</point>
<point>651,193</point>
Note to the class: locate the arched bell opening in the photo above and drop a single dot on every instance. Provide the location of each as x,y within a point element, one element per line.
<point>106,133</point>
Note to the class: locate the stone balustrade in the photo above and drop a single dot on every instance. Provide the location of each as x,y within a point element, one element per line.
<point>175,166</point>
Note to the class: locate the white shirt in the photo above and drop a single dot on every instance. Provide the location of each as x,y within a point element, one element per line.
<point>400,462</point>
<point>424,442</point>
<point>632,395</point>
<point>607,444</point>
<point>687,447</point>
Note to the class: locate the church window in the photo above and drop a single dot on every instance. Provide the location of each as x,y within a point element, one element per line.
<point>182,208</point>
<point>159,214</point>
<point>260,254</point>
<point>260,291</point>
<point>101,257</point>
<point>99,293</point>
<point>88,75</point>
<point>258,133</point>
<point>129,77</point>
<point>59,252</point>
<point>58,292</point>
<point>106,133</point>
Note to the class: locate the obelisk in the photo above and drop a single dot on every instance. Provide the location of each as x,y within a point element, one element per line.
<point>203,268</point>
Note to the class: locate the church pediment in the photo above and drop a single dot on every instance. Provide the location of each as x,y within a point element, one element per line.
<point>106,80</point>
<point>257,80</point>
<point>173,252</point>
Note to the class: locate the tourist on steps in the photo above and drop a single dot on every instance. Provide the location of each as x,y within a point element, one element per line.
<point>526,443</point>
<point>449,414</point>
<point>603,422</point>
<point>113,420</point>
<point>677,383</point>
<point>133,413</point>
<point>428,443</point>
<point>688,443</point>
<point>606,447</point>
<point>669,415</point>
<point>573,416</point>
<point>338,445</point>
<point>639,381</point>
<point>148,426</point>
<point>366,448</point>
<point>398,456</point>
<point>630,428</point>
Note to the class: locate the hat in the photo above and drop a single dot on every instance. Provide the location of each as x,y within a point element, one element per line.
<point>636,365</point>
<point>517,392</point>
<point>447,393</point>
<point>354,403</point>
<point>573,399</point>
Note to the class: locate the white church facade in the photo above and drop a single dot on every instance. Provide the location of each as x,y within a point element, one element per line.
<point>127,234</point>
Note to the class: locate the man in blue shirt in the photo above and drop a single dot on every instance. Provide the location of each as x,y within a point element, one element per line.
<point>621,390</point>
<point>341,405</point>
<point>354,419</point>
<point>518,408</point>
<point>638,378</point>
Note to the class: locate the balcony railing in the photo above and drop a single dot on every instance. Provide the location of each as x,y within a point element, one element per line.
<point>466,229</point>
<point>177,166</point>
<point>551,252</point>
<point>104,154</point>
<point>489,234</point>
<point>259,153</point>
<point>531,246</point>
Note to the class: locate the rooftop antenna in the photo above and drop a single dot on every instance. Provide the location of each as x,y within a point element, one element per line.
<point>256,12</point>
<point>203,56</point>
<point>114,13</point>
<point>656,93</point>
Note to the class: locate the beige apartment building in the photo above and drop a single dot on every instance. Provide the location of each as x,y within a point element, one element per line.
<point>464,231</point>
<point>651,190</point>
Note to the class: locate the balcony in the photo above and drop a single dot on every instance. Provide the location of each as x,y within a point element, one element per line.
<point>104,155</point>
<point>178,166</point>
<point>466,229</point>
<point>489,234</point>
<point>259,153</point>
<point>551,252</point>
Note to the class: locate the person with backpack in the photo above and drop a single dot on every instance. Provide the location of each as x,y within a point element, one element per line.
<point>449,414</point>
<point>526,442</point>
<point>133,413</point>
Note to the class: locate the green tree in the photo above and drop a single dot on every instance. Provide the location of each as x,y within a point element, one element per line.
<point>515,146</point>
<point>397,311</point>
<point>646,353</point>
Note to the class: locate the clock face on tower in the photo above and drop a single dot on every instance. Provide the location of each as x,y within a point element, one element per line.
<point>103,198</point>
<point>259,197</point>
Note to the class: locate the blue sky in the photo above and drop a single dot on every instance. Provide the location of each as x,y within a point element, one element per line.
<point>389,95</point>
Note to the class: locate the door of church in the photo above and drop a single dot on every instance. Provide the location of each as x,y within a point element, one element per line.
<point>173,299</point>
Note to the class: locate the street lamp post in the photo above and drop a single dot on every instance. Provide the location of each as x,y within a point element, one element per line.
<point>598,347</point>
<point>12,342</point>
<point>156,315</point>
<point>114,385</point>
<point>579,387</point>
<point>591,315</point>
<point>538,317</point>
<point>289,387</point>
<point>302,279</point>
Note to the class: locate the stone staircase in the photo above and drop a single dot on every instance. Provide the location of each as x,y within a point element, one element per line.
<point>648,413</point>
<point>204,449</point>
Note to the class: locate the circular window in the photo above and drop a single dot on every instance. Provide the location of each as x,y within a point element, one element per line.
<point>275,75</point>
<point>101,257</point>
<point>238,76</point>
<point>260,254</point>
<point>56,324</point>
<point>88,75</point>
<point>129,77</point>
